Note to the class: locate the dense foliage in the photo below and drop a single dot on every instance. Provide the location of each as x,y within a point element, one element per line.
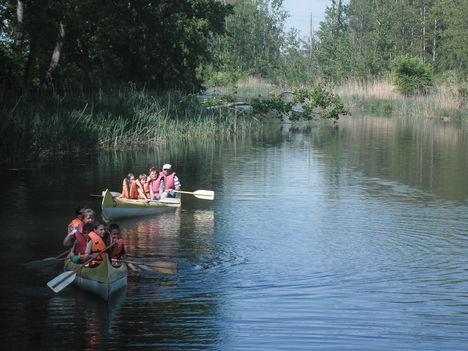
<point>363,37</point>
<point>74,45</point>
<point>411,75</point>
<point>70,45</point>
<point>304,103</point>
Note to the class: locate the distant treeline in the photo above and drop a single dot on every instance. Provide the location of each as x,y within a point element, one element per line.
<point>357,38</point>
<point>75,45</point>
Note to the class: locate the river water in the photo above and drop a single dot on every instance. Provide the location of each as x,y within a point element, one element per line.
<point>348,236</point>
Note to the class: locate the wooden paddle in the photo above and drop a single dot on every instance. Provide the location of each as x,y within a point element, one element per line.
<point>201,194</point>
<point>133,267</point>
<point>64,279</point>
<point>160,266</point>
<point>48,260</point>
<point>100,196</point>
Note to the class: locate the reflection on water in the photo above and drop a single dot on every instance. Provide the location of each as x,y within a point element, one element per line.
<point>346,235</point>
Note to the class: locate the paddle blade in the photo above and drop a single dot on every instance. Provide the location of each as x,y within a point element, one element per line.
<point>163,267</point>
<point>61,281</point>
<point>133,267</point>
<point>161,264</point>
<point>204,194</point>
<point>165,270</point>
<point>145,268</point>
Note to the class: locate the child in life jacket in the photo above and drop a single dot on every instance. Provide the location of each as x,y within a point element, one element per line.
<point>118,250</point>
<point>84,215</point>
<point>97,243</point>
<point>137,190</point>
<point>78,251</point>
<point>127,185</point>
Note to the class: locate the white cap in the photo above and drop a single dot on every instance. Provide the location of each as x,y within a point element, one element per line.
<point>167,166</point>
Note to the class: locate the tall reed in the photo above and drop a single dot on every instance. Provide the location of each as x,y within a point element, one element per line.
<point>444,101</point>
<point>116,119</point>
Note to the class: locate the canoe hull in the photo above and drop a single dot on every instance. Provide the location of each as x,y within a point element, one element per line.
<point>113,208</point>
<point>103,280</point>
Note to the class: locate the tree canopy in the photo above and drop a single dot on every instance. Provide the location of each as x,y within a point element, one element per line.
<point>74,44</point>
<point>164,44</point>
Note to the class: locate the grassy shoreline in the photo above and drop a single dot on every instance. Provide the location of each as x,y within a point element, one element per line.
<point>124,118</point>
<point>446,101</point>
<point>117,119</point>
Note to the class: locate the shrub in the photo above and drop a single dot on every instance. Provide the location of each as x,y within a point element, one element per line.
<point>411,75</point>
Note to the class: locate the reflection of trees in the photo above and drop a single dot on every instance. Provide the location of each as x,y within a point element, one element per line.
<point>417,153</point>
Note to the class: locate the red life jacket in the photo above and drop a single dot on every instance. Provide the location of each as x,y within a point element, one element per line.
<point>169,181</point>
<point>81,240</point>
<point>119,249</point>
<point>80,243</point>
<point>98,246</point>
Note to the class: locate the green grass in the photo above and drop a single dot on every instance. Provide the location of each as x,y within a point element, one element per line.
<point>116,119</point>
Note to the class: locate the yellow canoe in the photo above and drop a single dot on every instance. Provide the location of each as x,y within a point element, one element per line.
<point>114,207</point>
<point>102,280</point>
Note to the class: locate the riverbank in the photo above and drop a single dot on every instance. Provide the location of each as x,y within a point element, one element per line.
<point>447,102</point>
<point>444,102</point>
<point>118,119</point>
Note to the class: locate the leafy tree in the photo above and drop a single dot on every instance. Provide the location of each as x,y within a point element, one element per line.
<point>411,75</point>
<point>334,54</point>
<point>450,35</point>
<point>253,42</point>
<point>89,43</point>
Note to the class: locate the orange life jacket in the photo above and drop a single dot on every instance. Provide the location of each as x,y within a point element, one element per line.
<point>134,194</point>
<point>147,189</point>
<point>125,189</point>
<point>98,246</point>
<point>76,224</point>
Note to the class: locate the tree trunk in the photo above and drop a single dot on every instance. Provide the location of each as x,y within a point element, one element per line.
<point>434,38</point>
<point>38,20</point>
<point>55,56</point>
<point>423,39</point>
<point>33,49</point>
<point>19,25</point>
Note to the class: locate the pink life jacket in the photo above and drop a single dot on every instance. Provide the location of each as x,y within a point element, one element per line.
<point>155,184</point>
<point>169,181</point>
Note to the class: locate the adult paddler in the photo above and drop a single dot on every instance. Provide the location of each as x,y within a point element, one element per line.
<point>169,182</point>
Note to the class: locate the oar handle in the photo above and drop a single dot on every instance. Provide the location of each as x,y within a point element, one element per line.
<point>62,254</point>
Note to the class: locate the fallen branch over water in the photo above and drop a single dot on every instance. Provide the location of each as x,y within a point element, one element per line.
<point>229,105</point>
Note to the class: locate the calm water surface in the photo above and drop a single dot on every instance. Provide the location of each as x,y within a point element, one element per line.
<point>351,236</point>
